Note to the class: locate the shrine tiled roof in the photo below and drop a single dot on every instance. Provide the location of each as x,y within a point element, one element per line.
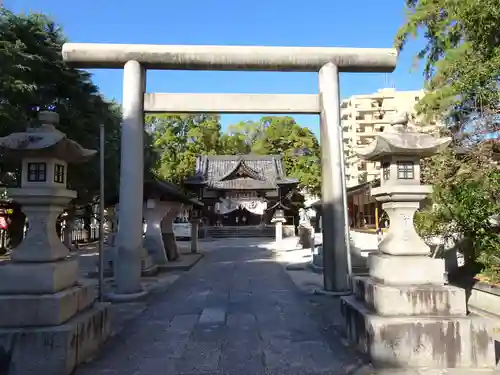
<point>240,172</point>
<point>156,188</point>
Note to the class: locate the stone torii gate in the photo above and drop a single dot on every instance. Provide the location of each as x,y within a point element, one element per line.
<point>135,59</point>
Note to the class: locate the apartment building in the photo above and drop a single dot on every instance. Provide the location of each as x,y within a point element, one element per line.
<point>363,116</point>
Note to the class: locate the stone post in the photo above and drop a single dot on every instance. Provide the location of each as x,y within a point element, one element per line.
<point>168,231</point>
<point>194,235</point>
<point>335,254</point>
<point>279,231</point>
<point>154,213</point>
<point>130,251</point>
<point>278,219</point>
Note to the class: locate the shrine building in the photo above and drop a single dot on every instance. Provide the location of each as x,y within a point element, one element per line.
<point>242,190</point>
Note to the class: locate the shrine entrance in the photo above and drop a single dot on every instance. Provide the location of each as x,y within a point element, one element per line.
<point>328,62</point>
<point>240,209</point>
<point>241,218</point>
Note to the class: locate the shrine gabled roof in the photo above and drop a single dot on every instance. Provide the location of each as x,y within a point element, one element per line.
<point>240,172</point>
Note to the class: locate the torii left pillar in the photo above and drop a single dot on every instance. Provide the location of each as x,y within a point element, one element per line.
<point>130,252</point>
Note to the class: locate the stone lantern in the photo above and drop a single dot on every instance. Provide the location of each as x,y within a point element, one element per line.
<point>49,322</point>
<point>403,314</point>
<point>278,219</point>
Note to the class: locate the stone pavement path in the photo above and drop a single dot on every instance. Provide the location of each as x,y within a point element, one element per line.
<point>237,312</point>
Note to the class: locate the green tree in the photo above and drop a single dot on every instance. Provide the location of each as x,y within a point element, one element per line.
<point>461,70</point>
<point>178,139</point>
<point>461,61</point>
<point>34,77</point>
<point>299,147</point>
<point>239,138</point>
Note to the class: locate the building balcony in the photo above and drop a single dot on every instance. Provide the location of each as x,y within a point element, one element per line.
<point>367,134</point>
<point>367,109</point>
<point>384,121</point>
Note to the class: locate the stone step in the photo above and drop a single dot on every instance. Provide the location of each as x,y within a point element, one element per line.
<point>241,232</point>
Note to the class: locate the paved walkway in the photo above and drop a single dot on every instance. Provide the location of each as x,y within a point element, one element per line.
<point>237,312</point>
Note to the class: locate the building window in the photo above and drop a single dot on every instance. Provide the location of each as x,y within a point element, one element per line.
<point>37,172</point>
<point>406,170</point>
<point>59,173</point>
<point>386,170</point>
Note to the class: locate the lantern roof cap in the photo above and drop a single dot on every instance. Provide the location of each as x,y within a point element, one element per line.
<point>403,138</point>
<point>45,141</point>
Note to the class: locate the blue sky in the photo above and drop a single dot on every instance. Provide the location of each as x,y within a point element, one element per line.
<point>354,23</point>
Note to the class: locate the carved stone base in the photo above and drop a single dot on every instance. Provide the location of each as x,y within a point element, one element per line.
<point>156,249</point>
<point>54,350</point>
<point>418,341</point>
<point>170,246</point>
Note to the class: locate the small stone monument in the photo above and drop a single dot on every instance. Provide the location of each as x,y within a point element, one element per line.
<point>49,322</point>
<point>404,315</point>
<point>278,219</point>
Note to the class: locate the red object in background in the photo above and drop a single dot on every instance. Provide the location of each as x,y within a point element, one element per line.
<point>3,222</point>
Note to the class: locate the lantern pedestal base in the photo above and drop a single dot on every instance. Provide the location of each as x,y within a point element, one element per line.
<point>38,278</point>
<point>406,270</point>
<point>418,341</point>
<point>29,310</point>
<point>410,300</point>
<point>55,349</point>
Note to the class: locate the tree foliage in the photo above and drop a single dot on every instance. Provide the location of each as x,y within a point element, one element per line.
<point>34,77</point>
<point>462,70</point>
<point>466,196</point>
<point>298,146</point>
<point>178,139</point>
<point>461,60</point>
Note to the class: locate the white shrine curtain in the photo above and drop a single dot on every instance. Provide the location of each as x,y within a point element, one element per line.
<point>256,207</point>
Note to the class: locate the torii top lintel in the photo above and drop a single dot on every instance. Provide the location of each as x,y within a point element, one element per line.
<point>250,58</point>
